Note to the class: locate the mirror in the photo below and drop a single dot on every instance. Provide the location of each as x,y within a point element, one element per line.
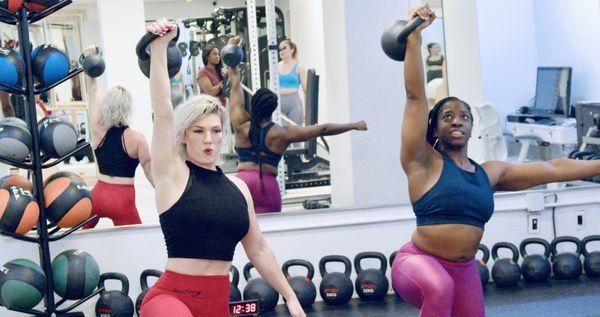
<point>434,55</point>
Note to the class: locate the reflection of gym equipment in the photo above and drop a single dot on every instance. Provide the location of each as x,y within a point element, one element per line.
<point>588,133</point>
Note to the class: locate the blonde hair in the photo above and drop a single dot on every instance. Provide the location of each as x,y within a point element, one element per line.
<point>192,110</point>
<point>116,107</point>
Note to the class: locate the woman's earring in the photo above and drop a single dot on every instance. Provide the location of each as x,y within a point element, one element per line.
<point>435,143</point>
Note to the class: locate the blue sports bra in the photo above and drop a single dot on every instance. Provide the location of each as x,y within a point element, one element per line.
<point>266,156</point>
<point>290,80</point>
<point>458,196</point>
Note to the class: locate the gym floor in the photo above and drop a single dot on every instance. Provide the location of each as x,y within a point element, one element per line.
<point>552,299</point>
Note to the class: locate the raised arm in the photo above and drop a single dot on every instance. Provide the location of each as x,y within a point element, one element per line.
<point>239,116</point>
<point>94,103</point>
<point>415,149</point>
<point>165,160</point>
<point>512,177</point>
<point>301,134</point>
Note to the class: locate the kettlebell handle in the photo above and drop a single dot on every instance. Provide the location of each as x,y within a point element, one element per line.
<point>558,240</point>
<point>115,276</point>
<point>586,240</point>
<point>486,253</point>
<point>298,262</point>
<point>506,245</point>
<point>368,255</point>
<point>247,269</point>
<point>409,28</point>
<point>335,258</point>
<point>235,275</point>
<point>82,57</point>
<point>149,37</point>
<point>144,277</point>
<point>542,242</point>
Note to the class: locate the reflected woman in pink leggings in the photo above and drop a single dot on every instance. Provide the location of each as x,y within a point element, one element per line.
<point>452,195</point>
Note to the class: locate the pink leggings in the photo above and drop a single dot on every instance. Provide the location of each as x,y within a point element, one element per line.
<point>265,201</point>
<point>439,287</point>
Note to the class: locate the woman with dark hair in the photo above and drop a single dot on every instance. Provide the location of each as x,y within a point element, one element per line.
<point>211,76</point>
<point>260,142</point>
<point>451,195</point>
<point>203,213</point>
<point>434,61</point>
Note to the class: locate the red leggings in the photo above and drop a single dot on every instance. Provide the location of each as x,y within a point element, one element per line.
<point>439,287</point>
<point>182,295</point>
<point>116,202</point>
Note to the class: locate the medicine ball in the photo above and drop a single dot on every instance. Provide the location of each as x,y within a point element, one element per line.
<point>14,121</point>
<point>49,64</point>
<point>58,137</point>
<point>40,5</point>
<point>19,211</point>
<point>67,174</point>
<point>68,202</point>
<point>75,274</point>
<point>16,180</point>
<point>11,5</point>
<point>22,284</point>
<point>15,142</point>
<point>12,67</point>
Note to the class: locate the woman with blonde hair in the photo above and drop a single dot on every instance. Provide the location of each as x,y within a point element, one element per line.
<point>118,149</point>
<point>292,75</point>
<point>203,213</point>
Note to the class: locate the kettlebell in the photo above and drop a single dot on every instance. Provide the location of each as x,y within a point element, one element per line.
<point>591,263</point>
<point>371,284</point>
<point>336,287</point>
<point>536,267</point>
<point>302,285</point>
<point>393,39</point>
<point>144,284</point>
<point>484,272</point>
<point>566,266</point>
<point>234,292</point>
<point>506,272</point>
<point>232,55</point>
<point>114,303</point>
<point>258,289</point>
<point>93,65</point>
<point>174,58</point>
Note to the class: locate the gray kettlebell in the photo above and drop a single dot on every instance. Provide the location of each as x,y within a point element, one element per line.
<point>232,55</point>
<point>93,65</point>
<point>393,39</point>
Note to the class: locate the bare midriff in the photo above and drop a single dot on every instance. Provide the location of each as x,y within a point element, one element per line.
<point>198,267</point>
<point>115,179</point>
<point>452,242</point>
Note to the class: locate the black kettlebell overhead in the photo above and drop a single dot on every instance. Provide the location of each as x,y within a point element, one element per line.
<point>591,263</point>
<point>174,58</point>
<point>535,267</point>
<point>302,285</point>
<point>393,40</point>
<point>114,303</point>
<point>371,284</point>
<point>566,266</point>
<point>258,289</point>
<point>144,284</point>
<point>484,272</point>
<point>234,292</point>
<point>232,54</point>
<point>336,287</point>
<point>506,272</point>
<point>93,65</point>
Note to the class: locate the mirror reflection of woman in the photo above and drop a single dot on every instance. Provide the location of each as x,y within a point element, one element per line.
<point>292,75</point>
<point>436,73</point>
<point>211,75</point>
<point>260,143</point>
<point>118,149</point>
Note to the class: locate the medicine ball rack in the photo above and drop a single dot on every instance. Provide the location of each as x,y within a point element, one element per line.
<point>37,162</point>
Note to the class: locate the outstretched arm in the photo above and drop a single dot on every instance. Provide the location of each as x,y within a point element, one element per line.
<point>302,134</point>
<point>415,149</point>
<point>512,177</point>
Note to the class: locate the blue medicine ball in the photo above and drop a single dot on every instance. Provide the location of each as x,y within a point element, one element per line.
<point>11,68</point>
<point>15,141</point>
<point>49,64</point>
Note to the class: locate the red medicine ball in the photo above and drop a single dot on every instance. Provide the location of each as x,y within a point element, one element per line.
<point>68,202</point>
<point>40,5</point>
<point>19,211</point>
<point>11,5</point>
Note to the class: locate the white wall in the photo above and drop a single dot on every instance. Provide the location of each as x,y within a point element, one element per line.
<point>306,24</point>
<point>508,52</point>
<point>568,34</point>
<point>346,232</point>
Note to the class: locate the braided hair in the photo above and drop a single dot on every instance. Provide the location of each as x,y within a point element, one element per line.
<point>433,118</point>
<point>263,103</point>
